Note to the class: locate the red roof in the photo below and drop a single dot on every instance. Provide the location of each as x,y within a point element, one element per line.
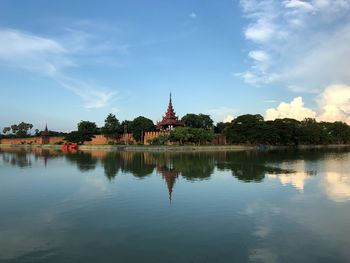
<point>170,118</point>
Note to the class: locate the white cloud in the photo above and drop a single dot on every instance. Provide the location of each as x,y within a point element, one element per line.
<point>51,58</point>
<point>278,28</point>
<point>221,113</point>
<point>334,104</point>
<point>295,110</point>
<point>228,118</point>
<point>258,55</point>
<point>92,96</point>
<point>305,6</point>
<point>260,32</point>
<point>30,52</point>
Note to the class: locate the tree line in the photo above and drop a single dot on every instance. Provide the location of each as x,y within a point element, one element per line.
<point>253,129</point>
<point>200,128</point>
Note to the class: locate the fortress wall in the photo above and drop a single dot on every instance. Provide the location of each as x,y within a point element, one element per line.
<point>151,135</point>
<point>126,138</point>
<point>30,140</point>
<point>99,139</point>
<point>102,139</point>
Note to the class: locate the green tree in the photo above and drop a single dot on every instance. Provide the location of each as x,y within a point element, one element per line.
<point>86,131</point>
<point>194,135</point>
<point>311,132</point>
<point>6,130</point>
<point>139,126</point>
<point>220,126</point>
<point>87,127</point>
<point>181,134</point>
<point>78,137</point>
<point>22,129</point>
<point>112,127</point>
<point>198,121</point>
<point>246,128</point>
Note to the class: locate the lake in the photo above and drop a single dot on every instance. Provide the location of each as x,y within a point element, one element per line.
<point>248,206</point>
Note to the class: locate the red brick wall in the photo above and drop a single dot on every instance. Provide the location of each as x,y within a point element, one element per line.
<point>31,140</point>
<point>151,135</point>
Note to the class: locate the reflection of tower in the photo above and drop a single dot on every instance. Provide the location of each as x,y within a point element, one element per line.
<point>45,138</point>
<point>170,177</point>
<point>45,153</point>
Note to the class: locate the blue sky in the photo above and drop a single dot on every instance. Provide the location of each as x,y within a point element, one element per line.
<point>66,61</point>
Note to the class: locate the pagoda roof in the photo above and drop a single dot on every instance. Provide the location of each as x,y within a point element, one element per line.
<point>170,118</point>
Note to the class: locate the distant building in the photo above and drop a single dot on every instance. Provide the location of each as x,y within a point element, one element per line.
<point>45,136</point>
<point>170,120</point>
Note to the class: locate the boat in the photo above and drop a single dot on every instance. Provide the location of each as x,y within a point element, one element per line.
<point>69,147</point>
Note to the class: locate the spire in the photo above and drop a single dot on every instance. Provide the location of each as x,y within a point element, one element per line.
<point>170,119</point>
<point>46,131</point>
<point>45,136</point>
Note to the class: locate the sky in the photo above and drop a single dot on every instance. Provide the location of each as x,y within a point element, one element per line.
<point>66,61</point>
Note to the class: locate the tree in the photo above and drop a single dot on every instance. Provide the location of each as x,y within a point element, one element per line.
<point>6,130</point>
<point>78,137</point>
<point>112,127</point>
<point>87,127</point>
<point>181,134</point>
<point>246,128</point>
<point>220,126</point>
<point>86,131</point>
<point>140,125</point>
<point>21,129</point>
<point>198,121</point>
<point>194,135</point>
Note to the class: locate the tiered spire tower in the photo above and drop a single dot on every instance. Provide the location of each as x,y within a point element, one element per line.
<point>170,120</point>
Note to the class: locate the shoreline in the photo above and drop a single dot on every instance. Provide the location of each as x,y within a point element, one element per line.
<point>176,148</point>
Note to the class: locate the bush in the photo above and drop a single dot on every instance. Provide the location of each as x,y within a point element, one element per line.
<point>160,140</point>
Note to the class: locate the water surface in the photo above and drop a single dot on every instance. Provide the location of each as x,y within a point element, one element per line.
<point>280,206</point>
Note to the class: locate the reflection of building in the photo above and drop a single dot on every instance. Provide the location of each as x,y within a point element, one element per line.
<point>170,176</point>
<point>170,120</point>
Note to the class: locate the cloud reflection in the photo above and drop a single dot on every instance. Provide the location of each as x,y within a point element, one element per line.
<point>337,186</point>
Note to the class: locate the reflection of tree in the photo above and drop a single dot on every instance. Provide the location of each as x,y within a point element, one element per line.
<point>20,159</point>
<point>84,161</point>
<point>111,164</point>
<point>249,166</point>
<point>191,166</point>
<point>23,157</point>
<point>137,164</point>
